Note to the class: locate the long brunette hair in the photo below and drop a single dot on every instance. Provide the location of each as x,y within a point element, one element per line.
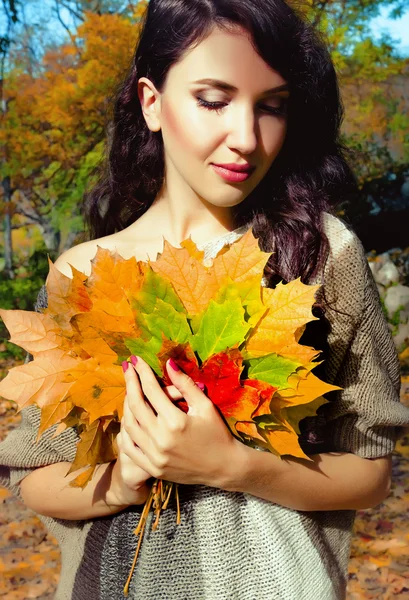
<point>309,176</point>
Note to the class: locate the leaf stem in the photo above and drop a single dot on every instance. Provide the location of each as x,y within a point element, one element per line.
<point>140,530</point>
<point>177,504</point>
<point>168,496</point>
<point>157,494</point>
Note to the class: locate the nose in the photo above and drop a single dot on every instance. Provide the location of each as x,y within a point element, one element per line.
<point>242,130</point>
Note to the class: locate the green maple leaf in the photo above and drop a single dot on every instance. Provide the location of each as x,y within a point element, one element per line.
<point>153,290</point>
<point>155,287</point>
<point>248,292</point>
<point>148,350</point>
<point>221,326</point>
<point>273,369</point>
<point>270,422</point>
<point>165,319</point>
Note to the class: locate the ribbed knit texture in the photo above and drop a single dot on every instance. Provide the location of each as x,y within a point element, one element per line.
<point>235,546</point>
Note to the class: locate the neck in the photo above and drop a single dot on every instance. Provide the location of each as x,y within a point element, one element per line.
<point>177,222</point>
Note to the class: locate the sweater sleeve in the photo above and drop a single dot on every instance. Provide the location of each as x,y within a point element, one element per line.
<point>20,454</point>
<point>367,416</point>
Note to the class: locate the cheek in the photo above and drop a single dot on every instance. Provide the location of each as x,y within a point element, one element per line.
<point>184,129</point>
<point>273,137</point>
<point>171,122</point>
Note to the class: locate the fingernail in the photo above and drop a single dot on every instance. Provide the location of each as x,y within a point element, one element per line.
<point>173,365</point>
<point>134,360</point>
<point>125,365</point>
<point>200,385</point>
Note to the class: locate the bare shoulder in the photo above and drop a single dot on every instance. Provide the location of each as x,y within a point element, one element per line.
<point>136,241</point>
<point>80,256</point>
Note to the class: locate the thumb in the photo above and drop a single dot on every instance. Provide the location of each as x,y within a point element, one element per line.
<point>189,389</point>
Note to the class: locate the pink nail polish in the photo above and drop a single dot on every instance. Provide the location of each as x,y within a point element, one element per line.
<point>134,360</point>
<point>200,385</point>
<point>125,365</point>
<point>173,365</point>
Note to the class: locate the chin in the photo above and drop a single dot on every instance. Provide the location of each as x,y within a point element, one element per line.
<point>226,202</point>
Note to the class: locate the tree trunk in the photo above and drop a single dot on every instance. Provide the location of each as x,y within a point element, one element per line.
<point>8,245</point>
<point>51,237</point>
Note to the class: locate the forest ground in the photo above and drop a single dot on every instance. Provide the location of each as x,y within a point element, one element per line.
<point>378,568</point>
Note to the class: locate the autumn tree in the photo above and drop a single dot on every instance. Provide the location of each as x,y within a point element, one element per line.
<point>55,125</point>
<point>372,76</point>
<point>10,7</point>
<point>54,130</point>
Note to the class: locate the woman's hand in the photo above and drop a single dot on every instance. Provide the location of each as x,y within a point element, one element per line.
<point>128,481</point>
<point>192,448</point>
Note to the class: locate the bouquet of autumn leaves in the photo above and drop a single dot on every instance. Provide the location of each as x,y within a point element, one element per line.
<point>216,320</point>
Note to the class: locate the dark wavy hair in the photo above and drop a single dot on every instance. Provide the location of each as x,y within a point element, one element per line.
<point>309,176</point>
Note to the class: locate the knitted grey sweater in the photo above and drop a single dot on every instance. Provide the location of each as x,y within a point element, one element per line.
<point>231,545</point>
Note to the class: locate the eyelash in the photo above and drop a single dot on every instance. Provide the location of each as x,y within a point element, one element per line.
<point>218,106</point>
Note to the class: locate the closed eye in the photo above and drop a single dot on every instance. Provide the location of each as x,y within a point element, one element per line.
<point>218,106</point>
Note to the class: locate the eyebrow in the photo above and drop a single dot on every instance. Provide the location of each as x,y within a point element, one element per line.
<point>217,83</point>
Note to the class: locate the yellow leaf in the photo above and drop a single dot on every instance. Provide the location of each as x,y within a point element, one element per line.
<point>39,382</point>
<point>53,413</point>
<point>98,389</point>
<point>307,388</point>
<point>88,448</point>
<point>117,308</point>
<point>99,349</point>
<point>194,283</point>
<point>66,296</point>
<point>88,325</point>
<point>192,249</point>
<point>285,442</point>
<point>241,261</point>
<point>83,478</point>
<point>32,331</point>
<point>61,427</point>
<point>289,308</point>
<point>110,274</point>
<point>249,429</point>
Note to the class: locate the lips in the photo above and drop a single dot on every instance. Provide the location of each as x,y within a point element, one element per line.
<point>231,175</point>
<point>236,168</point>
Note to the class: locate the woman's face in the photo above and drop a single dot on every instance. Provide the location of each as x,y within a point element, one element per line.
<point>203,123</point>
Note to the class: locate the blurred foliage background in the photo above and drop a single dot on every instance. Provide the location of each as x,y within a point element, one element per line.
<point>55,92</point>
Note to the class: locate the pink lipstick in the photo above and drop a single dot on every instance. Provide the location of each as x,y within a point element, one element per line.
<point>234,173</point>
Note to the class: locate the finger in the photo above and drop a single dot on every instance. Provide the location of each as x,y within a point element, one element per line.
<point>135,430</point>
<point>195,397</point>
<point>134,452</point>
<point>141,409</point>
<point>174,394</point>
<point>151,388</point>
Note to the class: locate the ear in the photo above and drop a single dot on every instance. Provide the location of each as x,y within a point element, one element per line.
<point>149,98</point>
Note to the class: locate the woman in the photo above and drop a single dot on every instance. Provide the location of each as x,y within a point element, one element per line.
<point>248,85</point>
